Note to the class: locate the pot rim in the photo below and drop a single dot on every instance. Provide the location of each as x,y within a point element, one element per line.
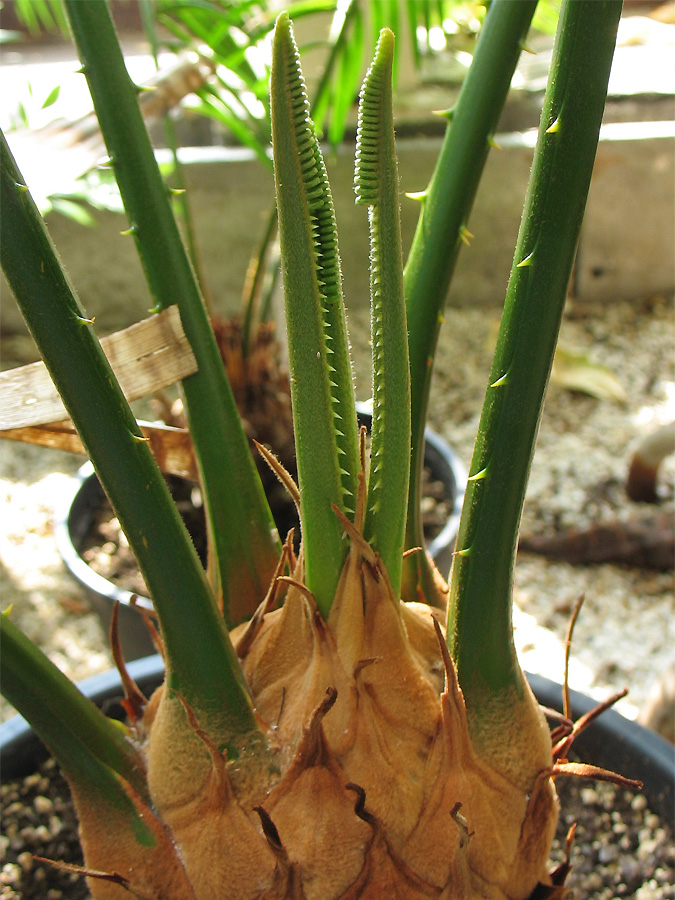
<point>612,741</point>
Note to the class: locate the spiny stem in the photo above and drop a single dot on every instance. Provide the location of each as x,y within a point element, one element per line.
<point>241,528</point>
<point>479,623</point>
<point>446,206</point>
<point>207,668</point>
<point>324,412</point>
<point>376,183</point>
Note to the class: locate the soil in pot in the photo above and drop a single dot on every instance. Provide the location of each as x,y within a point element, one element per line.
<point>622,848</point>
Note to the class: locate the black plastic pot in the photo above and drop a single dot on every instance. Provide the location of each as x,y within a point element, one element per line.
<point>74,519</point>
<point>611,742</point>
<point>620,745</point>
<point>21,750</point>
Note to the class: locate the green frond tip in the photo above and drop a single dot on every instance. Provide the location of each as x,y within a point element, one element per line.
<point>375,87</point>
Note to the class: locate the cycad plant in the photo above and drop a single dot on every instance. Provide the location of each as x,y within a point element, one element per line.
<point>317,736</point>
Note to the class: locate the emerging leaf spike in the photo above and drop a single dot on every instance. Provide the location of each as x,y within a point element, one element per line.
<point>324,413</point>
<point>376,184</point>
<point>366,181</point>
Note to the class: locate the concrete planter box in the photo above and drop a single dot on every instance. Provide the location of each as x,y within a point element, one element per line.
<point>626,248</point>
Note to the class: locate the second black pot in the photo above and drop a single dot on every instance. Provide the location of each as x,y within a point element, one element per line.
<point>74,521</point>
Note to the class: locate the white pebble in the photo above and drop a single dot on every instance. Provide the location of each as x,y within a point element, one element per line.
<point>11,873</point>
<point>608,853</point>
<point>25,860</point>
<point>43,805</point>
<point>639,802</point>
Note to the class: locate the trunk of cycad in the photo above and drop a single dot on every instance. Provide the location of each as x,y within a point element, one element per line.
<point>369,786</point>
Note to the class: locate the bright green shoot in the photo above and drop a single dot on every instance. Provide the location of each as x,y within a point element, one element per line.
<point>479,615</point>
<point>204,668</point>
<point>244,546</point>
<point>442,232</point>
<point>377,186</point>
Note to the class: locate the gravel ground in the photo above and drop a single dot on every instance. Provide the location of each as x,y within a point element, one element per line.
<point>625,633</point>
